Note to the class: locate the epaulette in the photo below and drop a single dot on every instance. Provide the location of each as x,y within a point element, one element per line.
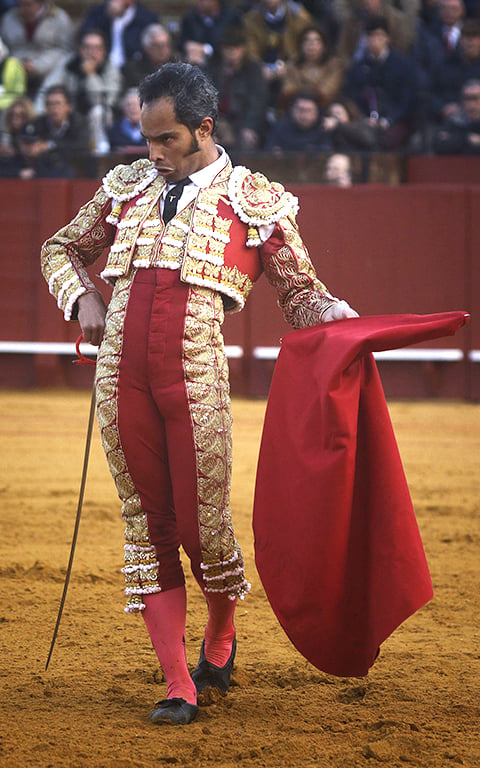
<point>256,200</point>
<point>125,182</point>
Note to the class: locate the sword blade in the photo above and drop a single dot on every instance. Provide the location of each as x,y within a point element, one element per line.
<point>77,522</point>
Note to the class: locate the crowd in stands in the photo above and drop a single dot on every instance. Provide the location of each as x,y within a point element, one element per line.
<point>334,76</point>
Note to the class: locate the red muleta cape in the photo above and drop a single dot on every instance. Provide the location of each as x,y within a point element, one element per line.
<point>337,545</point>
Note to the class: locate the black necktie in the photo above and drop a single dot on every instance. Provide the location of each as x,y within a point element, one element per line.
<point>171,199</point>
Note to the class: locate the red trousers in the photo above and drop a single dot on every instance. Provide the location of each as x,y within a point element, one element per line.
<point>164,412</point>
<point>154,419</point>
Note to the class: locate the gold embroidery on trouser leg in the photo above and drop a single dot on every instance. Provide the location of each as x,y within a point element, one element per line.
<point>141,565</point>
<point>208,392</point>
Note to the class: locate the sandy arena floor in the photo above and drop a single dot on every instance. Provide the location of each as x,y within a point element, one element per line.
<point>419,706</point>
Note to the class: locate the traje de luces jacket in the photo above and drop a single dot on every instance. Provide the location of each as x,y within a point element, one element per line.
<point>214,241</point>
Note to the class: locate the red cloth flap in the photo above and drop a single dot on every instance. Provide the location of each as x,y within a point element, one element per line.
<point>337,545</point>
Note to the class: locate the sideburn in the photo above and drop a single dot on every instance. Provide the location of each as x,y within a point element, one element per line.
<point>194,146</point>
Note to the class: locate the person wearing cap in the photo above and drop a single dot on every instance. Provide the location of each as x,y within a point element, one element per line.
<point>402,24</point>
<point>383,86</point>
<point>188,236</point>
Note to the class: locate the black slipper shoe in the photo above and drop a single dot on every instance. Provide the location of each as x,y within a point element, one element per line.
<point>174,711</point>
<point>207,675</point>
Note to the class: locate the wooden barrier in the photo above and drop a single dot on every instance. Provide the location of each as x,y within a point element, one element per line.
<point>442,169</point>
<point>385,249</point>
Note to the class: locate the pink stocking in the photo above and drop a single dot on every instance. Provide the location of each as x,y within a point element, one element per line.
<point>220,629</point>
<point>164,616</point>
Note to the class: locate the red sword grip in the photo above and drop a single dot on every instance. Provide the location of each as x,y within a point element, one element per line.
<point>82,360</point>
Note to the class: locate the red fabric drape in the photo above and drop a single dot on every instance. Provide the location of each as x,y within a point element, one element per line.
<point>337,545</point>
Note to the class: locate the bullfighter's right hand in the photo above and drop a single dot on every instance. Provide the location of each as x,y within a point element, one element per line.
<point>91,316</point>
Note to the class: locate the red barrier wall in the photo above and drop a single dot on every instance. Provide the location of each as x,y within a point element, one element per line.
<point>385,249</point>
<point>448,169</point>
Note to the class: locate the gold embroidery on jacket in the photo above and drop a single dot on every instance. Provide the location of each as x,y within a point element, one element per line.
<point>228,280</point>
<point>131,231</point>
<point>87,235</point>
<point>256,200</point>
<point>302,297</point>
<point>194,241</point>
<point>125,182</point>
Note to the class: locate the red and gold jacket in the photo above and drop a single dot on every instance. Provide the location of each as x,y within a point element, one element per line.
<point>214,241</point>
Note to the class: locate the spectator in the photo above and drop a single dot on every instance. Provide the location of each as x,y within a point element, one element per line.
<point>383,86</point>
<point>13,81</point>
<point>472,9</point>
<point>323,13</point>
<point>347,130</point>
<point>125,135</point>
<point>352,43</point>
<point>314,69</point>
<point>202,29</point>
<point>197,54</point>
<point>338,171</point>
<point>273,34</point>
<point>20,112</point>
<point>460,133</point>
<point>447,24</point>
<point>242,94</point>
<point>121,23</point>
<point>273,31</point>
<point>94,84</point>
<point>462,65</point>
<point>429,12</point>
<point>344,9</point>
<point>5,5</point>
<point>40,35</point>
<point>301,130</point>
<point>157,49</point>
<point>428,54</point>
<point>52,141</point>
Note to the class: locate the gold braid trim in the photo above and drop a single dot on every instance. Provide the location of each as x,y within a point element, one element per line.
<point>227,576</point>
<point>124,182</point>
<point>227,280</point>
<point>207,386</point>
<point>141,564</point>
<point>257,201</point>
<point>65,255</point>
<point>302,297</point>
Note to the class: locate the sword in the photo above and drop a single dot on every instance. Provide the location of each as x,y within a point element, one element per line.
<point>82,360</point>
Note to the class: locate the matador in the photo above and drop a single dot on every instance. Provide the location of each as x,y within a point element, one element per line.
<point>188,235</point>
